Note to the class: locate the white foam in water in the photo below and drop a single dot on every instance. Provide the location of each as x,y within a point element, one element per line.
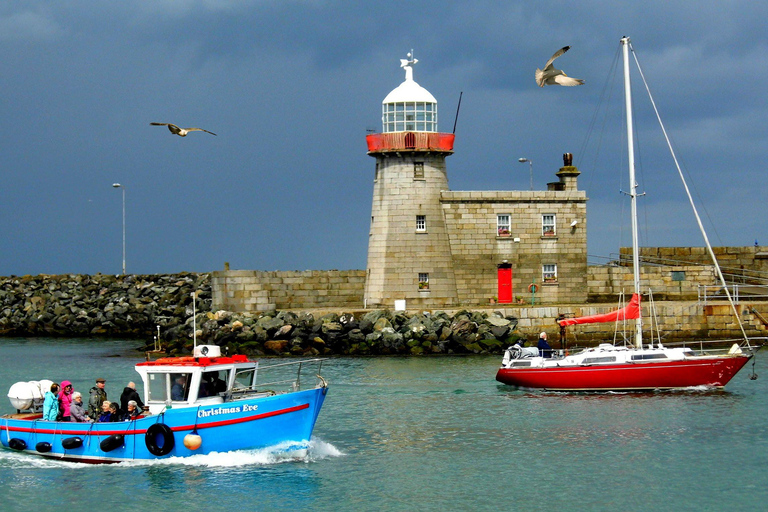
<point>313,451</point>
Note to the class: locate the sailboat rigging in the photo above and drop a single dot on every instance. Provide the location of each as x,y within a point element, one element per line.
<point>638,366</point>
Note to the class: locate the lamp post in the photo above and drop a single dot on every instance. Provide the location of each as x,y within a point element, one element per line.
<point>530,163</point>
<point>117,185</point>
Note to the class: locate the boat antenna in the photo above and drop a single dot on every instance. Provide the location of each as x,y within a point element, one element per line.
<point>632,189</point>
<point>194,323</point>
<point>457,112</point>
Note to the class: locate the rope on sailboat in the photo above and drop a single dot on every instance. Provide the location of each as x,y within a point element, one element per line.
<point>690,200</point>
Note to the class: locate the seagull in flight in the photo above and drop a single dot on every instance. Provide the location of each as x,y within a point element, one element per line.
<point>181,132</point>
<point>552,76</point>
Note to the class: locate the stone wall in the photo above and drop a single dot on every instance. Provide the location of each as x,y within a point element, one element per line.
<point>678,321</point>
<point>751,261</point>
<point>605,283</point>
<point>251,290</point>
<point>477,247</point>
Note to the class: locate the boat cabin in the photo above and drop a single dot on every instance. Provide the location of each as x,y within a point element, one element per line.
<point>203,379</point>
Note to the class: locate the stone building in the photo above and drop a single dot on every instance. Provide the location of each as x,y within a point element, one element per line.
<point>433,247</point>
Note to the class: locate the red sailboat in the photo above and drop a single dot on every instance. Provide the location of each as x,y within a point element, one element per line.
<point>634,366</point>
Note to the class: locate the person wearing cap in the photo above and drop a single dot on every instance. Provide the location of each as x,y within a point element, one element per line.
<point>98,396</point>
<point>544,349</point>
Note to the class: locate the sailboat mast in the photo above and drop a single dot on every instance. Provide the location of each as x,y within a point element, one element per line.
<point>632,187</point>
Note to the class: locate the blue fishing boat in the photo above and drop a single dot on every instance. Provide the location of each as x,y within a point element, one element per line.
<point>195,405</point>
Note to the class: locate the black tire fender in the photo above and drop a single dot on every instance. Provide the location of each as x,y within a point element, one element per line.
<point>111,442</point>
<point>17,444</point>
<point>43,447</point>
<point>70,443</point>
<point>163,433</point>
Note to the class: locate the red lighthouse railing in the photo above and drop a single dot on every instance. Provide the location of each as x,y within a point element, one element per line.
<point>409,141</point>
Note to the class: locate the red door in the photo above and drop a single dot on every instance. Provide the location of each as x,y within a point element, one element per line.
<point>505,283</point>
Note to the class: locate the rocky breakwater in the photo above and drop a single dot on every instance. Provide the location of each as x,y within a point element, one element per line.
<point>99,305</point>
<point>379,332</point>
<point>134,306</point>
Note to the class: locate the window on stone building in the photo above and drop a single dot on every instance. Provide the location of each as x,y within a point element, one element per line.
<point>548,224</point>
<point>423,281</point>
<point>503,224</point>
<point>678,275</point>
<point>418,170</point>
<point>421,223</point>
<point>549,273</point>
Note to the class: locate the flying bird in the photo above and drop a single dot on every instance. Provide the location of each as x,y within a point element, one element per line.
<point>551,76</point>
<point>181,132</point>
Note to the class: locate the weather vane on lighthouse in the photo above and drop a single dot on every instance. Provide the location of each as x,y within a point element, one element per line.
<point>408,65</point>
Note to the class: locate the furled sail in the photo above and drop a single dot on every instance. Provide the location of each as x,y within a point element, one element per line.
<point>628,312</point>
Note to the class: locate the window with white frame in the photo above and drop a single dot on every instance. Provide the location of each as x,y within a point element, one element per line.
<point>423,281</point>
<point>549,273</point>
<point>409,116</point>
<point>548,224</point>
<point>503,224</point>
<point>421,223</point>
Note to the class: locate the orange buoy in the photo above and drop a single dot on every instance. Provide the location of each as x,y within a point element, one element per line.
<point>193,441</point>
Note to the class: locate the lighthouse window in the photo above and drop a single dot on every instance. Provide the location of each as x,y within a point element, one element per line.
<point>421,223</point>
<point>423,281</point>
<point>409,116</point>
<point>418,170</point>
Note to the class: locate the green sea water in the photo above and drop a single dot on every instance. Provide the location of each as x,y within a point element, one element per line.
<point>423,433</point>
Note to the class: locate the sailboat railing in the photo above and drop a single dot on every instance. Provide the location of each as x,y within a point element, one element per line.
<point>717,347</point>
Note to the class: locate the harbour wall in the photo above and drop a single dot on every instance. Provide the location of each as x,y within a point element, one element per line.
<point>134,306</point>
<point>673,273</point>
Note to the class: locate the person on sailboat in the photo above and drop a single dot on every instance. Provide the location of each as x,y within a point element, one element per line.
<point>544,349</point>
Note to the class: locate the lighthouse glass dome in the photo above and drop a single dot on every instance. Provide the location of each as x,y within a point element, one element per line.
<point>409,107</point>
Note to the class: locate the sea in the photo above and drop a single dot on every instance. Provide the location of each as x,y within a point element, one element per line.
<point>422,434</point>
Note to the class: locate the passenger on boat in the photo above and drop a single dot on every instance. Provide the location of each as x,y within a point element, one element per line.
<point>114,411</point>
<point>132,411</point>
<point>97,397</point>
<point>177,391</point>
<point>544,349</point>
<point>51,403</point>
<point>65,399</point>
<point>106,412</point>
<point>211,385</point>
<point>77,413</point>
<point>130,393</point>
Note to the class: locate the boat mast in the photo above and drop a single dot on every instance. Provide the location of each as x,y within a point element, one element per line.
<point>632,188</point>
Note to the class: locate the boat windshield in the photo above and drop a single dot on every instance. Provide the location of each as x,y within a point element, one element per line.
<point>213,383</point>
<point>244,379</point>
<point>168,386</point>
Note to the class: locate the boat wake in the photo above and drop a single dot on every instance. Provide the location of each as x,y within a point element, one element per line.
<point>313,451</point>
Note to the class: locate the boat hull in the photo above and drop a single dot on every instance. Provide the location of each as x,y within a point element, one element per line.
<point>237,425</point>
<point>703,371</point>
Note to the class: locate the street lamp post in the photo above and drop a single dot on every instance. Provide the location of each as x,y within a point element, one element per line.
<point>117,185</point>
<point>530,163</point>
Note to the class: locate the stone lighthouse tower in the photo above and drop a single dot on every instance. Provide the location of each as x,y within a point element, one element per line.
<point>409,253</point>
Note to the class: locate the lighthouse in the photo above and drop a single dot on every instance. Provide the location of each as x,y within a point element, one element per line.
<point>409,253</point>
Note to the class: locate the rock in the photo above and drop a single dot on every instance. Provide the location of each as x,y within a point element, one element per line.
<point>276,346</point>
